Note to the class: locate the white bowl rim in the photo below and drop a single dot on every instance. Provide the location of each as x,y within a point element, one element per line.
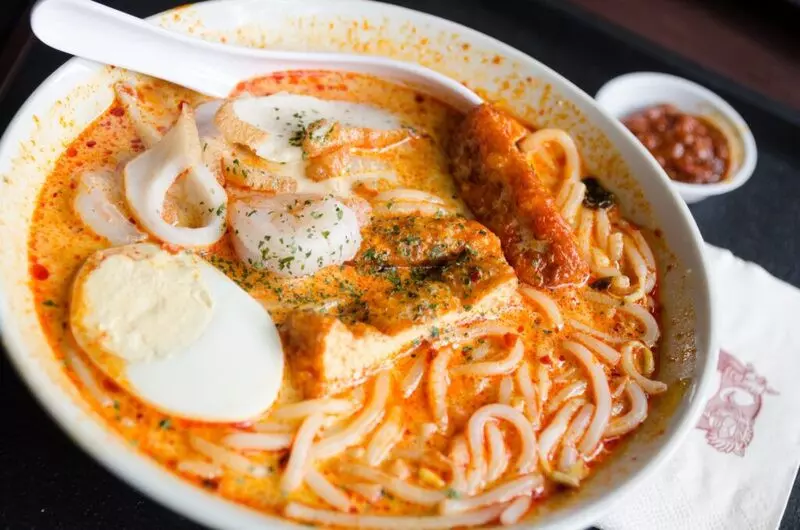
<point>749,149</point>
<point>166,488</point>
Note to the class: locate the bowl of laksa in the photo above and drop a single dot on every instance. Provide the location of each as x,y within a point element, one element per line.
<point>329,299</point>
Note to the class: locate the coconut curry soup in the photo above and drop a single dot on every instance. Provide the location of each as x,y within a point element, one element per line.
<point>339,301</point>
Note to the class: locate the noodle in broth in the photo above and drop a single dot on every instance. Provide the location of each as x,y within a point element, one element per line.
<point>474,424</point>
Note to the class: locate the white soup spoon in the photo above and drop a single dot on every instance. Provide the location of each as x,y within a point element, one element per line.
<point>99,33</point>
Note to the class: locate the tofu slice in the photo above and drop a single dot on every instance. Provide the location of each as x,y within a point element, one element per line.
<point>425,276</point>
<point>328,356</point>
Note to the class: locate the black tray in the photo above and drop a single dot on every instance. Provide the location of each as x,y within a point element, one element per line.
<point>46,482</point>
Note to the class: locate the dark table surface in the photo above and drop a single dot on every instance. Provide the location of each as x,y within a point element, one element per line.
<point>47,482</point>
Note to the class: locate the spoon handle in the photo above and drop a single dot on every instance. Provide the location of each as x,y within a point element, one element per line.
<point>99,33</point>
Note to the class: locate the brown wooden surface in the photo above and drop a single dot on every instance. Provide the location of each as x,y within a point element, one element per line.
<point>756,43</point>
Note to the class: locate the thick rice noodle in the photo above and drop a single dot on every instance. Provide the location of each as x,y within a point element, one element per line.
<point>549,437</point>
<point>602,350</point>
<point>459,456</point>
<point>573,203</point>
<point>498,454</point>
<point>88,380</point>
<point>476,425</point>
<point>563,194</point>
<point>639,267</point>
<point>572,390</point>
<point>546,304</point>
<point>524,485</point>
<point>580,326</point>
<point>505,390</point>
<point>301,452</point>
<point>271,427</point>
<point>544,384</point>
<point>602,229</point>
<point>472,331</point>
<point>438,381</point>
<point>400,488</point>
<point>629,367</point>
<point>370,492</point>
<point>197,468</point>
<point>584,234</point>
<point>637,412</point>
<point>516,510</point>
<point>414,376</point>
<point>502,366</point>
<point>648,321</point>
<point>536,140</point>
<point>326,491</point>
<point>302,409</point>
<point>365,421</point>
<point>578,425</point>
<point>254,441</point>
<point>385,438</point>
<point>526,388</point>
<point>229,459</point>
<point>601,394</point>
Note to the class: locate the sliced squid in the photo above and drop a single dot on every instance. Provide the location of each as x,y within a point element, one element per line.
<point>151,121</point>
<point>294,234</point>
<point>100,204</point>
<point>200,199</point>
<point>204,115</point>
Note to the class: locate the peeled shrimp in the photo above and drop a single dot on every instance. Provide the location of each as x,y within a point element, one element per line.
<point>294,234</point>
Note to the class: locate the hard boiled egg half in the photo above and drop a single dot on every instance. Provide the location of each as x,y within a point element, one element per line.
<point>177,333</point>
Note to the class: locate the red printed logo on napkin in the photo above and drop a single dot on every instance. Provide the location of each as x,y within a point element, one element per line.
<point>731,413</point>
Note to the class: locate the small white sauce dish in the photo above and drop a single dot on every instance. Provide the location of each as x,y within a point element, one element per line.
<point>630,93</point>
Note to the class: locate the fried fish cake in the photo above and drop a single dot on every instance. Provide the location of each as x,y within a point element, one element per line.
<point>504,193</point>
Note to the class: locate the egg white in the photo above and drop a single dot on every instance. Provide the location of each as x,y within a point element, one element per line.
<point>232,371</point>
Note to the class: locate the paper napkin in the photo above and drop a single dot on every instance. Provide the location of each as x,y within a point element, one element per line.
<point>737,467</point>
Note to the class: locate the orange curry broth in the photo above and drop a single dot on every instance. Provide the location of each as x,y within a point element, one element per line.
<point>60,243</point>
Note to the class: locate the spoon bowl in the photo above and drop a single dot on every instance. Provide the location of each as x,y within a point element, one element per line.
<point>106,35</point>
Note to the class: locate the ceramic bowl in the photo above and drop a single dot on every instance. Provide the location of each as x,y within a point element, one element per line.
<point>79,91</point>
<point>629,93</point>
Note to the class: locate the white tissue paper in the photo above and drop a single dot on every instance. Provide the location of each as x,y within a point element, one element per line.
<point>737,467</point>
